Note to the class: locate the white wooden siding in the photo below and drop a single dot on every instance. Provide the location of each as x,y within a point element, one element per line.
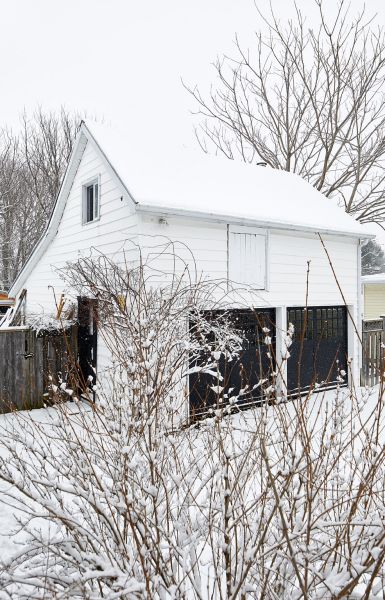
<point>287,260</point>
<point>290,255</point>
<point>200,245</point>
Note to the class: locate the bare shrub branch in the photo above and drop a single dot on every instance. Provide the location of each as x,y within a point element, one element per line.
<point>120,501</point>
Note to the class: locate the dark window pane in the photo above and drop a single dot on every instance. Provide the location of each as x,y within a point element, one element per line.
<point>96,201</point>
<point>90,203</point>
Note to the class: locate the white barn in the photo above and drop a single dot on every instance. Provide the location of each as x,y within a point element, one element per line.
<point>251,224</point>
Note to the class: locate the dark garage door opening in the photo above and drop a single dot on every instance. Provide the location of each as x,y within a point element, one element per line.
<point>320,347</point>
<point>245,373</point>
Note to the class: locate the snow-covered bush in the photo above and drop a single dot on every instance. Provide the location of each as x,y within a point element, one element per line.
<point>283,501</point>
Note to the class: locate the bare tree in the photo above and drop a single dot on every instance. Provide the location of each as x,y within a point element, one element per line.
<point>9,206</point>
<point>308,100</point>
<point>46,144</point>
<point>32,165</point>
<point>372,258</point>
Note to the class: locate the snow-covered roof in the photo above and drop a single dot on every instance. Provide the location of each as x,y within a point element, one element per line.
<point>189,181</point>
<point>374,278</point>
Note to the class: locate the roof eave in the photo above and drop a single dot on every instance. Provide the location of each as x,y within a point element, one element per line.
<point>225,218</point>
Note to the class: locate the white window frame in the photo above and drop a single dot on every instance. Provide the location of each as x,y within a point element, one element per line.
<point>244,229</point>
<point>93,181</point>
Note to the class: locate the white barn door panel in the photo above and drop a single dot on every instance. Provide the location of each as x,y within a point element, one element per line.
<point>247,256</point>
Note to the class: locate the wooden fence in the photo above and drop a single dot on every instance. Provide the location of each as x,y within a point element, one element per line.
<point>373,351</point>
<point>28,360</point>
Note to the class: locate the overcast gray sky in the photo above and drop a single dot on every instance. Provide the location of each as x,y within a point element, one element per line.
<point>122,60</point>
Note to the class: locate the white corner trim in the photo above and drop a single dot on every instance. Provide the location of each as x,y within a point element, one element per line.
<point>267,261</point>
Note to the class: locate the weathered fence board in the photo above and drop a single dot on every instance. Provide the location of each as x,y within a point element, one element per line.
<point>20,379</point>
<point>60,362</point>
<point>27,361</point>
<point>373,351</point>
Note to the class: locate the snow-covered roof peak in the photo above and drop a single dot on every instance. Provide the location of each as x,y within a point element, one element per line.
<point>195,183</point>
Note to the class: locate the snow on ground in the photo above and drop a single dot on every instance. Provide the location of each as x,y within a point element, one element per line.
<point>11,538</point>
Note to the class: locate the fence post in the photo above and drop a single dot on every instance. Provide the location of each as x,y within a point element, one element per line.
<point>373,351</point>
<point>382,350</point>
<point>281,349</point>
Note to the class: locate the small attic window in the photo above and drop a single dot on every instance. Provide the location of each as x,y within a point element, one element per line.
<point>91,193</point>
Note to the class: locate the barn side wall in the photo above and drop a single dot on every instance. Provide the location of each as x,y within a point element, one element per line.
<point>203,246</point>
<point>293,259</point>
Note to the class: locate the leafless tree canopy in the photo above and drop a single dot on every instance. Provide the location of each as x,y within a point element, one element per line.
<point>372,258</point>
<point>32,164</point>
<point>306,100</point>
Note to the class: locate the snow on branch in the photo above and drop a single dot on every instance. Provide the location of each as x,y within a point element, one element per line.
<point>124,499</point>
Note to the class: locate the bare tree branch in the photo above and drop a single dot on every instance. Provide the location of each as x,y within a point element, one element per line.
<point>307,100</point>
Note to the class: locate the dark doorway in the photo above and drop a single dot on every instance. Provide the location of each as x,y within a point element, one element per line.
<point>87,342</point>
<point>319,349</point>
<point>244,377</point>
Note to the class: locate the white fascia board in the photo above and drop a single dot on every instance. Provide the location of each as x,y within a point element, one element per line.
<point>219,218</point>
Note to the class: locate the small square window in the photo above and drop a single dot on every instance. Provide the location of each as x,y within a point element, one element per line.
<point>91,202</point>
